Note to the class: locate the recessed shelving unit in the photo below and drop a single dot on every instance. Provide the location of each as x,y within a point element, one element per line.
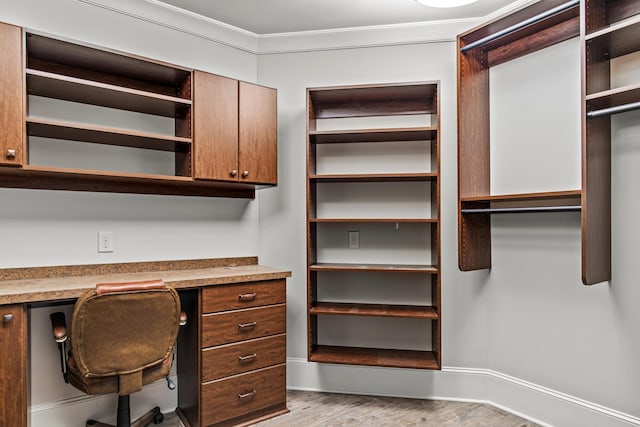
<point>345,194</point>
<point>612,30</point>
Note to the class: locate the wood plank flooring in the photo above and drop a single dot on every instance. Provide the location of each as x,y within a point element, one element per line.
<point>311,409</point>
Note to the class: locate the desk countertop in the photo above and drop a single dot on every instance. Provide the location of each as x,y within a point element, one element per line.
<point>37,284</point>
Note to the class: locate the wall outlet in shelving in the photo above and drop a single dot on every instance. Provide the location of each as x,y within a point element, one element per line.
<point>354,239</point>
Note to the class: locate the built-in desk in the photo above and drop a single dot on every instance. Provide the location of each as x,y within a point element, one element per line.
<point>218,383</point>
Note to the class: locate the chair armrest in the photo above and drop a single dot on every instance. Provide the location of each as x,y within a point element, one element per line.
<point>183,318</point>
<point>59,326</point>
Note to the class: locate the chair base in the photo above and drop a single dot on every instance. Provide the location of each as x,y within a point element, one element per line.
<point>154,416</point>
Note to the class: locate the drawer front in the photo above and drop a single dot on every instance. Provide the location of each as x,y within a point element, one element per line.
<point>242,394</point>
<point>231,359</point>
<point>243,295</point>
<point>240,325</point>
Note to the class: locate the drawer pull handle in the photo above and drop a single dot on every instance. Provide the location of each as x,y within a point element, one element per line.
<point>247,358</point>
<point>247,325</point>
<point>7,318</point>
<point>246,395</point>
<point>247,297</point>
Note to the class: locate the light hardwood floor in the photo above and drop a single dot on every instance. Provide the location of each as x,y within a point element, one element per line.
<point>310,409</point>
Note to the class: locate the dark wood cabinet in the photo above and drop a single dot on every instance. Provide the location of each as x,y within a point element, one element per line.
<point>396,205</point>
<point>240,377</point>
<point>240,144</point>
<point>13,375</point>
<point>11,95</point>
<point>220,135</point>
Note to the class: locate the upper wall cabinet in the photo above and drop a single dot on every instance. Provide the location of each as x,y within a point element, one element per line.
<point>100,120</point>
<point>240,144</point>
<point>11,95</point>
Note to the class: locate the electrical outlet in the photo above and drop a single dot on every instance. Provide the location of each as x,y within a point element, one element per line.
<point>105,241</point>
<point>354,239</point>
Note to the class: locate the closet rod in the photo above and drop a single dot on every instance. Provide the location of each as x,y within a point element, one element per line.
<point>613,110</point>
<point>521,210</point>
<point>521,25</point>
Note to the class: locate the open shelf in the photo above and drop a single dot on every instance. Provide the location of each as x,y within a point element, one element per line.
<point>619,39</point>
<point>36,177</point>
<point>378,310</point>
<point>373,100</point>
<point>374,357</point>
<point>56,86</point>
<point>613,98</point>
<point>101,65</point>
<point>391,268</point>
<point>554,201</point>
<point>373,135</point>
<point>104,135</point>
<point>377,177</point>
<point>375,220</point>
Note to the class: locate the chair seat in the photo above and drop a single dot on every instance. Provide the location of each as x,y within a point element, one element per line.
<point>108,385</point>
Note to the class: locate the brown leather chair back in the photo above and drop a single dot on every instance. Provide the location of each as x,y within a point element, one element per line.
<point>121,329</point>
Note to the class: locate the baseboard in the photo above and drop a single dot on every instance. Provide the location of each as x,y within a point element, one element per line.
<point>536,403</point>
<point>75,410</point>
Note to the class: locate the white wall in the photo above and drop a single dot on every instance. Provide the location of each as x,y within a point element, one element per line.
<point>41,228</point>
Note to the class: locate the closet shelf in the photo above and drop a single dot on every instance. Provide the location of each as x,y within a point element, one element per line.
<point>375,220</point>
<point>374,357</point>
<point>38,177</point>
<point>104,135</point>
<point>373,100</point>
<point>375,177</point>
<point>392,268</point>
<point>373,135</point>
<point>376,310</point>
<point>613,98</point>
<point>51,85</point>
<point>618,39</point>
<point>542,201</point>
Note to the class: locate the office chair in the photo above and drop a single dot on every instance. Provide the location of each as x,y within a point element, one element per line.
<point>121,338</point>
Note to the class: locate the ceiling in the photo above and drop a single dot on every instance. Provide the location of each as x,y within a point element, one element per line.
<point>281,16</point>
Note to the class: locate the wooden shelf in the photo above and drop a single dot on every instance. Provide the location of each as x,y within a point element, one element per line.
<point>104,135</point>
<point>619,39</point>
<point>373,135</point>
<point>376,310</point>
<point>42,83</point>
<point>391,268</point>
<point>571,198</point>
<point>51,51</point>
<point>613,97</point>
<point>373,100</point>
<point>375,220</point>
<point>35,177</point>
<point>378,177</point>
<point>374,357</point>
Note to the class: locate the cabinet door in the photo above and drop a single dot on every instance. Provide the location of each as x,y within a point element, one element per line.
<point>215,136</point>
<point>13,368</point>
<point>258,146</point>
<point>11,95</point>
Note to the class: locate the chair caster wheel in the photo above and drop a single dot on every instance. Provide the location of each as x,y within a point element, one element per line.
<point>159,417</point>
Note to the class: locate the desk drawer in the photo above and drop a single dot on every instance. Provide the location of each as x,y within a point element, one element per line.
<point>240,325</point>
<point>232,359</point>
<point>243,295</point>
<point>242,394</point>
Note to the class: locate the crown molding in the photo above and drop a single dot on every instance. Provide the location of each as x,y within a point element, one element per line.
<point>196,25</point>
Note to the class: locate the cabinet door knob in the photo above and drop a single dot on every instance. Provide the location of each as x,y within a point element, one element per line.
<point>245,174</point>
<point>234,172</point>
<point>7,318</point>
<point>11,154</point>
